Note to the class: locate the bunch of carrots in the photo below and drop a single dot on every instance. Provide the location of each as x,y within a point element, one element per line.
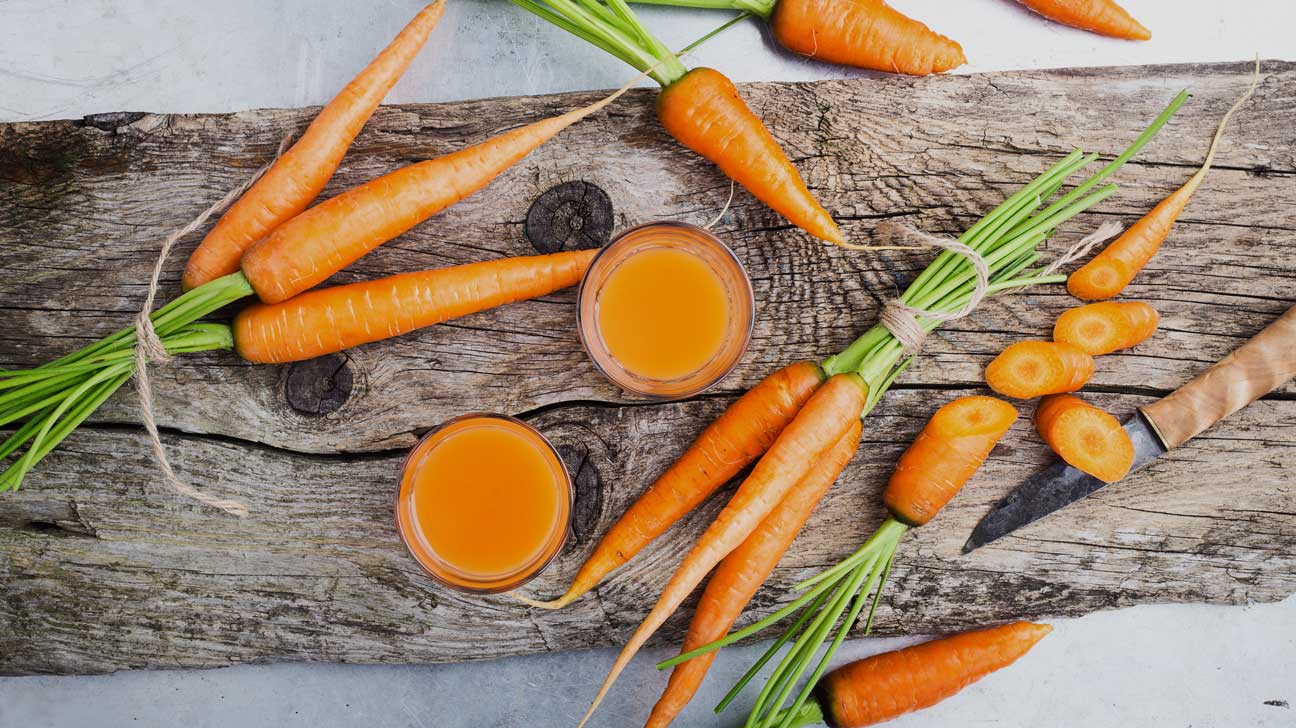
<point>800,427</point>
<point>268,244</point>
<point>1083,435</point>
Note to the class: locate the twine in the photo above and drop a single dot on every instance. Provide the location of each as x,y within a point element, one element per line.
<point>902,319</point>
<point>149,347</point>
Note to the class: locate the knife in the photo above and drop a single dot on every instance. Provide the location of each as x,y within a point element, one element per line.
<point>1256,368</point>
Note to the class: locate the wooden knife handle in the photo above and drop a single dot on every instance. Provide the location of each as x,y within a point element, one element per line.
<point>1256,368</point>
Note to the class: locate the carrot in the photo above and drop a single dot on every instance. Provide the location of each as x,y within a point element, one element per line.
<point>945,455</point>
<point>1101,328</point>
<point>730,443</point>
<point>1108,273</point>
<point>886,686</point>
<point>869,34</point>
<point>1032,368</point>
<point>742,572</point>
<point>1085,436</point>
<point>704,112</point>
<point>827,415</point>
<point>298,176</point>
<point>700,108</point>
<point>328,320</point>
<point>1104,17</point>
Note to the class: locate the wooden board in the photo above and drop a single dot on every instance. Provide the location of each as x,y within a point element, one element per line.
<point>102,568</point>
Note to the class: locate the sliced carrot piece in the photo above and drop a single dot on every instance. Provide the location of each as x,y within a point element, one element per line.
<point>1033,368</point>
<point>1085,436</point>
<point>1101,328</point>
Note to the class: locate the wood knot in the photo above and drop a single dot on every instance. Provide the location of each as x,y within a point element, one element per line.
<point>113,120</point>
<point>570,216</point>
<point>319,386</point>
<point>588,487</point>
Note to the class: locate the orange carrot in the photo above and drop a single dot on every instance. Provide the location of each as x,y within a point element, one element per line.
<point>828,414</point>
<point>742,572</point>
<point>1108,273</point>
<point>705,113</point>
<point>1104,17</point>
<point>298,176</point>
<point>945,455</point>
<point>885,686</point>
<point>333,319</point>
<point>1101,328</point>
<point>730,443</point>
<point>1085,436</point>
<point>869,34</point>
<point>330,236</point>
<point>1033,368</point>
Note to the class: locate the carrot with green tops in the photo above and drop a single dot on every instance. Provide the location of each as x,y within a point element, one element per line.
<point>742,572</point>
<point>328,320</point>
<point>879,688</point>
<point>1109,272</point>
<point>860,33</point>
<point>700,108</point>
<point>820,424</point>
<point>1101,328</point>
<point>293,181</point>
<point>1029,369</point>
<point>1085,437</point>
<point>1104,17</point>
<point>951,447</point>
<point>733,441</point>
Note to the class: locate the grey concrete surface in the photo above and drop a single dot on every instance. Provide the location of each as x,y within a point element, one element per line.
<point>1183,665</point>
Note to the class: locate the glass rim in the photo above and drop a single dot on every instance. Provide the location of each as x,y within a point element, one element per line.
<point>563,533</point>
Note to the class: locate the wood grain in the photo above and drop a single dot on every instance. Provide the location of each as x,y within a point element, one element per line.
<point>101,568</point>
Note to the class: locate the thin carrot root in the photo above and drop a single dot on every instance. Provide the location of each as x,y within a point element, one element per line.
<point>1109,272</point>
<point>949,450</point>
<point>1085,437</point>
<point>1101,328</point>
<point>1029,369</point>
<point>732,442</point>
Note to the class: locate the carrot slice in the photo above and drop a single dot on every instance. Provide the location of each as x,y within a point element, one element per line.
<point>1104,17</point>
<point>1101,328</point>
<point>1085,436</point>
<point>945,455</point>
<point>1029,369</point>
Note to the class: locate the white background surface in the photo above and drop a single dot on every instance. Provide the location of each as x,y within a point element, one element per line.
<point>1183,665</point>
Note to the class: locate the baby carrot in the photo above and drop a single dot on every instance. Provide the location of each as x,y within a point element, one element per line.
<point>1085,436</point>
<point>1032,368</point>
<point>945,455</point>
<point>1101,328</point>
<point>327,320</point>
<point>742,572</point>
<point>294,180</point>
<point>330,236</point>
<point>885,686</point>
<point>863,34</point>
<point>1104,17</point>
<point>1108,273</point>
<point>732,442</point>
<point>828,414</point>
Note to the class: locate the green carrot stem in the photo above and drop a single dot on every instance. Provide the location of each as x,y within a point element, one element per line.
<point>806,614</point>
<point>890,530</point>
<point>877,593</point>
<point>615,29</point>
<point>761,8</point>
<point>809,714</point>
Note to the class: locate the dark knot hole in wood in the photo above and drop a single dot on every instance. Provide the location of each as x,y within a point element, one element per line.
<point>588,487</point>
<point>319,386</point>
<point>569,216</point>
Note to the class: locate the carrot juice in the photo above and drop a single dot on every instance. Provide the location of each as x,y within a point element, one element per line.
<point>665,310</point>
<point>484,503</point>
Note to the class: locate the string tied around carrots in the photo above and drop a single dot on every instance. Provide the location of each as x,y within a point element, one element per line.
<point>150,350</point>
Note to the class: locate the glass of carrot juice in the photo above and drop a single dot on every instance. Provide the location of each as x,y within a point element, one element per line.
<point>665,310</point>
<point>484,503</point>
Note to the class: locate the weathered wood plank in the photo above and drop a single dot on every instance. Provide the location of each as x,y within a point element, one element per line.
<point>101,569</point>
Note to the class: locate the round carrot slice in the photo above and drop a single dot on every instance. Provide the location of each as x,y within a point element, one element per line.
<point>1033,368</point>
<point>1085,437</point>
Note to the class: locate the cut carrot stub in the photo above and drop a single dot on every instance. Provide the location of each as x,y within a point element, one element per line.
<point>1085,436</point>
<point>1033,368</point>
<point>1101,328</point>
<point>945,455</point>
<point>885,686</point>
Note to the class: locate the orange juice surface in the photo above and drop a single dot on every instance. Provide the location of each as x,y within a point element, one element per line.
<point>484,503</point>
<point>663,313</point>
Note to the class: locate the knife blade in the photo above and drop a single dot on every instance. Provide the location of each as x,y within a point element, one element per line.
<point>1261,365</point>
